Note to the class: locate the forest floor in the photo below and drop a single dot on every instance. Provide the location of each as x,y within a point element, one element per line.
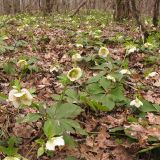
<point>47,44</point>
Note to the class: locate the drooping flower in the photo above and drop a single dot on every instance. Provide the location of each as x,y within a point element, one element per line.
<point>132,50</point>
<point>148,45</point>
<point>103,52</point>
<point>137,103</point>
<point>76,57</point>
<point>22,63</point>
<point>53,142</point>
<point>11,158</point>
<point>125,71</point>
<point>74,74</point>
<point>19,98</point>
<point>79,45</point>
<point>152,74</point>
<point>109,77</point>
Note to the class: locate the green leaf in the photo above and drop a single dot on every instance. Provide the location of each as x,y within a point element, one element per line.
<point>147,107</point>
<point>94,88</point>
<point>40,151</point>
<point>49,128</point>
<point>149,148</point>
<point>9,68</point>
<point>67,110</point>
<point>56,97</point>
<point>72,95</point>
<point>96,78</point>
<point>76,126</point>
<point>69,141</point>
<point>105,83</point>
<point>116,129</point>
<point>71,158</point>
<point>3,97</point>
<point>31,117</point>
<point>109,102</point>
<point>118,93</point>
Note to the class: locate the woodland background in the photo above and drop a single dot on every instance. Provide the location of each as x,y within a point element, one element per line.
<point>14,6</point>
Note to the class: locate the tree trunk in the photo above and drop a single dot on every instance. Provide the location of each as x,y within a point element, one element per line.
<point>122,10</point>
<point>156,12</point>
<point>136,15</point>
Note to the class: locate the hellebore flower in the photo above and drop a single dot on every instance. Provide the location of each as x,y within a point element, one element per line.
<point>74,74</point>
<point>137,103</point>
<point>103,52</point>
<point>19,98</point>
<point>53,142</point>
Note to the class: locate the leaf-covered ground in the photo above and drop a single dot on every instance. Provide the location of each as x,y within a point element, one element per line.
<point>116,130</point>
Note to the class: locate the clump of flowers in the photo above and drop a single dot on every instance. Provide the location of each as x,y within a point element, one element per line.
<point>76,57</point>
<point>20,97</point>
<point>109,77</point>
<point>74,74</point>
<point>125,71</point>
<point>152,74</point>
<point>53,142</point>
<point>137,103</point>
<point>22,63</point>
<point>103,52</point>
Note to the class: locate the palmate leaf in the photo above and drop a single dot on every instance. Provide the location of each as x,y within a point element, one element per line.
<point>67,110</point>
<point>58,127</point>
<point>31,117</point>
<point>96,78</point>
<point>94,88</point>
<point>60,120</point>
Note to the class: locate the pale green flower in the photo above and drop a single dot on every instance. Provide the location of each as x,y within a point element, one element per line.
<point>137,103</point>
<point>152,74</point>
<point>125,71</point>
<point>79,45</point>
<point>19,98</point>
<point>74,74</point>
<point>148,45</point>
<point>53,142</point>
<point>132,50</point>
<point>76,57</point>
<point>109,77</point>
<point>22,63</point>
<point>103,52</point>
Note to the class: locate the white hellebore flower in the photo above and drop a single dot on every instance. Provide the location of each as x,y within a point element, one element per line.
<point>109,77</point>
<point>137,103</point>
<point>53,142</point>
<point>11,158</point>
<point>131,50</point>
<point>152,74</point>
<point>125,71</point>
<point>74,74</point>
<point>148,45</point>
<point>76,57</point>
<point>103,52</point>
<point>18,98</point>
<point>79,45</point>
<point>22,63</point>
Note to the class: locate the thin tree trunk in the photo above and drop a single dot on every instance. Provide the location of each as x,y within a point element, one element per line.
<point>156,12</point>
<point>79,7</point>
